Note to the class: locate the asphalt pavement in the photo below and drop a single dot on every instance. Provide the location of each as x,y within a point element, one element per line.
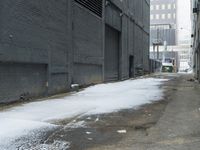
<point>178,125</point>
<point>172,123</point>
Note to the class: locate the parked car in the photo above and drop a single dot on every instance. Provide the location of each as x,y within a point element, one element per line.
<point>167,67</point>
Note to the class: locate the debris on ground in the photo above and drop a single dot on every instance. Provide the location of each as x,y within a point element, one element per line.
<point>121,131</point>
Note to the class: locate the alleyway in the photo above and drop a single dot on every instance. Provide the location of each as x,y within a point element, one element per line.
<point>178,127</point>
<point>167,117</point>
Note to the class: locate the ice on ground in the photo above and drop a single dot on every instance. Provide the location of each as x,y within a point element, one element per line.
<point>11,129</point>
<point>74,125</point>
<point>98,99</point>
<point>57,145</point>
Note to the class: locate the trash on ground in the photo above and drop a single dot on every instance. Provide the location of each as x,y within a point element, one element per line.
<point>88,133</point>
<point>121,131</point>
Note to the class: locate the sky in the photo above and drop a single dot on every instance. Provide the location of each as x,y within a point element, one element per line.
<point>184,19</point>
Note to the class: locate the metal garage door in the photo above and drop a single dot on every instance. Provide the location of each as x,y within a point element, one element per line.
<point>111,54</point>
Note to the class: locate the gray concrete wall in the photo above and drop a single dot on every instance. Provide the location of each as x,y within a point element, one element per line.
<point>45,46</point>
<point>22,81</point>
<point>134,34</point>
<point>196,39</point>
<point>87,46</point>
<point>34,33</point>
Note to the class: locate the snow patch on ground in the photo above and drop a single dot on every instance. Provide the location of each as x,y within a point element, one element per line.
<point>11,129</point>
<point>74,125</point>
<point>98,99</point>
<point>56,145</point>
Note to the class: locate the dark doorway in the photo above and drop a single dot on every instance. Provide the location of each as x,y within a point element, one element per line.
<point>111,54</point>
<point>131,66</point>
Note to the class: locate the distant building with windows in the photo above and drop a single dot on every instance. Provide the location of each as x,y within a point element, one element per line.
<point>166,25</point>
<point>163,21</point>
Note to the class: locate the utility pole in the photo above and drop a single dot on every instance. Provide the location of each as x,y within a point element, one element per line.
<point>154,51</point>
<point>164,52</point>
<point>157,52</point>
<point>158,44</point>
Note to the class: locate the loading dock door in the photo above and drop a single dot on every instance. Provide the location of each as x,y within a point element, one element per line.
<point>111,54</point>
<point>131,66</point>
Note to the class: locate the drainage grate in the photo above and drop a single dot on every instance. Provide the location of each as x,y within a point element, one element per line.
<point>94,6</point>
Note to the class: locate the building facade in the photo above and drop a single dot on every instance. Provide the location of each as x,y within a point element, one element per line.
<point>196,37</point>
<point>184,54</point>
<point>163,20</point>
<point>46,46</point>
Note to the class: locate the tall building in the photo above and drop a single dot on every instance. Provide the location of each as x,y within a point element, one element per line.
<point>45,46</point>
<point>196,37</point>
<point>171,23</point>
<point>163,21</point>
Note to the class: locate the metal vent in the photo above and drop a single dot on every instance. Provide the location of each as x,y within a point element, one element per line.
<point>93,5</point>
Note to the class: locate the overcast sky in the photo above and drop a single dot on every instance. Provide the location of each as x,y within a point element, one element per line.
<point>184,19</point>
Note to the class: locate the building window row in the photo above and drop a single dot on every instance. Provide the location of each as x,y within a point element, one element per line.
<point>161,27</point>
<point>163,6</point>
<point>163,16</point>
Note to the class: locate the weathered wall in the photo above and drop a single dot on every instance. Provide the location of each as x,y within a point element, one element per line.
<point>47,45</point>
<point>87,46</point>
<point>196,39</point>
<point>135,23</point>
<point>142,34</point>
<point>33,32</point>
<point>22,80</point>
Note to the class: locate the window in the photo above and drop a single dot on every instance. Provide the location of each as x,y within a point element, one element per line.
<point>160,26</point>
<point>174,6</point>
<point>169,16</point>
<point>152,7</point>
<point>157,16</point>
<point>174,16</point>
<point>157,7</point>
<point>93,6</point>
<point>163,6</point>
<point>163,16</point>
<point>152,17</point>
<point>169,6</point>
